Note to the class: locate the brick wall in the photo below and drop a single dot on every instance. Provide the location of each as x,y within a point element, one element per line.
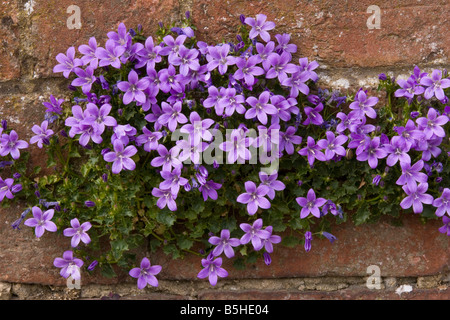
<point>350,54</point>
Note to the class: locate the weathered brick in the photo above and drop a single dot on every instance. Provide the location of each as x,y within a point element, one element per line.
<point>9,35</point>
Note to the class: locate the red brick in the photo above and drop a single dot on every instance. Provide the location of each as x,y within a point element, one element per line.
<point>9,62</point>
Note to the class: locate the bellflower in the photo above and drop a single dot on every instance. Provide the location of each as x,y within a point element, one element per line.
<point>224,244</point>
<point>254,197</point>
<point>308,68</point>
<point>398,151</point>
<point>312,151</point>
<point>149,55</point>
<point>409,88</point>
<point>260,27</point>
<point>313,115</point>
<point>10,144</point>
<point>120,38</point>
<point>133,88</point>
<point>172,115</point>
<point>41,221</point>
<point>148,139</point>
<point>99,117</point>
<point>88,51</point>
<point>167,158</point>
<point>166,198</point>
<point>7,189</point>
<point>372,153</point>
<point>247,69</point>
<point>432,124</point>
<point>42,134</point>
<point>186,60</point>
<point>67,62</point>
<point>445,229</point>
<point>123,133</point>
<point>198,128</point>
<point>54,105</point>
<point>146,274</point>
<point>363,105</point>
<point>411,173</point>
<point>236,146</point>
<point>121,157</point>
<point>284,45</point>
<point>281,66</point>
<point>172,180</point>
<point>272,183</point>
<point>264,51</point>
<point>268,243</point>
<point>308,238</point>
<point>218,57</point>
<point>443,203</point>
<point>416,196</point>
<point>85,79</point>
<point>208,189</point>
<point>333,145</point>
<point>78,232</point>
<point>288,139</point>
<point>70,265</point>
<point>212,269</point>
<point>110,55</point>
<point>310,204</point>
<point>296,83</point>
<point>230,102</point>
<point>435,85</point>
<point>254,234</point>
<point>260,107</point>
<point>172,46</point>
<point>410,133</point>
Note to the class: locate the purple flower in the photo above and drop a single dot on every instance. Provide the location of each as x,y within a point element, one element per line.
<point>198,128</point>
<point>208,189</point>
<point>313,115</point>
<point>260,27</point>
<point>411,173</point>
<point>236,146</point>
<point>218,57</point>
<point>92,266</point>
<point>149,55</point>
<point>254,234</point>
<point>280,66</point>
<point>297,83</point>
<point>271,182</point>
<point>254,197</point>
<point>41,221</point>
<point>310,204</point>
<point>85,79</point>
<point>372,152</point>
<point>54,105</point>
<point>260,107</point>
<point>133,88</point>
<point>308,68</point>
<point>333,145</point>
<point>67,62</point>
<point>230,102</point>
<point>247,69</point>
<point>42,134</point>
<point>166,198</point>
<point>283,43</point>
<point>363,105</point>
<point>89,203</point>
<point>78,232</point>
<point>435,85</point>
<point>172,180</point>
<point>7,189</point>
<point>123,133</point>
<point>398,151</point>
<point>376,180</point>
<point>70,265</point>
<point>288,139</point>
<point>172,45</point>
<point>409,88</point>
<point>88,52</point>
<point>329,236</point>
<point>120,38</point>
<point>121,157</point>
<point>99,118</point>
<point>308,238</point>
<point>110,55</point>
<point>149,139</point>
<point>167,159</point>
<point>312,151</point>
<point>442,203</point>
<point>264,51</point>
<point>446,227</point>
<point>409,133</point>
<point>186,59</point>
<point>10,144</point>
<point>172,115</point>
<point>224,244</point>
<point>268,243</point>
<point>145,274</point>
<point>416,196</point>
<point>212,269</point>
<point>432,124</point>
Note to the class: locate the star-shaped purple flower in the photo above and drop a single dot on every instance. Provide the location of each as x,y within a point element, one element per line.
<point>70,265</point>
<point>260,107</point>
<point>312,151</point>
<point>260,27</point>
<point>363,105</point>
<point>10,144</point>
<point>411,173</point>
<point>254,234</point>
<point>416,196</point>
<point>333,145</point>
<point>442,203</point>
<point>146,274</point>
<point>41,221</point>
<point>78,232</point>
<point>432,124</point>
<point>254,197</point>
<point>212,269</point>
<point>208,189</point>
<point>372,153</point>
<point>133,88</point>
<point>224,244</point>
<point>166,198</point>
<point>167,159</point>
<point>121,157</point>
<point>172,115</point>
<point>435,84</point>
<point>310,204</point>
<point>67,62</point>
<point>42,134</point>
<point>272,183</point>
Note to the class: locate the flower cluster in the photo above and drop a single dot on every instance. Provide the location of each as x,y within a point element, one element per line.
<point>173,138</point>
